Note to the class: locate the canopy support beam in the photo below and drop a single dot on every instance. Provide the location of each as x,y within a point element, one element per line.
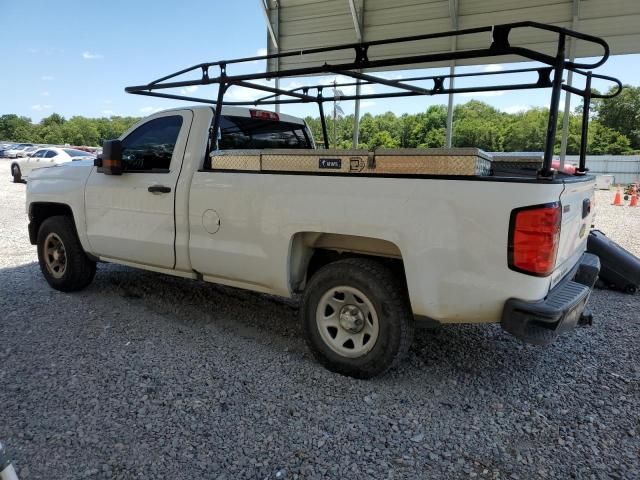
<point>567,95</point>
<point>453,13</point>
<point>357,26</point>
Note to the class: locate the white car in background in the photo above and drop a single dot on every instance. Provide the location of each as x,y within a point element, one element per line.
<point>45,157</point>
<point>18,151</point>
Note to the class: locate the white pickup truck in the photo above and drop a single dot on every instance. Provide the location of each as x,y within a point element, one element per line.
<point>372,240</point>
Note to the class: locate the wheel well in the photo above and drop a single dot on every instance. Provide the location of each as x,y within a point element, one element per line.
<point>310,251</point>
<point>40,211</point>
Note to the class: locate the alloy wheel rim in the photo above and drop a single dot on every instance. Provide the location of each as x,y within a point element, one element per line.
<point>55,256</point>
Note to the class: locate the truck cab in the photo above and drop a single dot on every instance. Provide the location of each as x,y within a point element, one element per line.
<point>136,217</point>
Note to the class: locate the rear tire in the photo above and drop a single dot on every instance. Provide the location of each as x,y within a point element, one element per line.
<point>356,317</point>
<point>16,174</point>
<point>63,262</point>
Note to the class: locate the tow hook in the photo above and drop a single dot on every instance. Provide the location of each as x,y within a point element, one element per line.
<point>586,318</point>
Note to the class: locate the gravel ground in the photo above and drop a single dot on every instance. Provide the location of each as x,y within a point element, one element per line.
<point>147,376</point>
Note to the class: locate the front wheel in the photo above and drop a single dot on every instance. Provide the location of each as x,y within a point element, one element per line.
<point>63,262</point>
<point>356,317</point>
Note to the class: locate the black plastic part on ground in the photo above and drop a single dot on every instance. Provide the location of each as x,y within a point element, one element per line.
<point>620,269</point>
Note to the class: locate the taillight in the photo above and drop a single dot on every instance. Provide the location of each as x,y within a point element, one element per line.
<point>534,235</point>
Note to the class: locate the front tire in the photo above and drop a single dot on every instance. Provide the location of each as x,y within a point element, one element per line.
<point>16,174</point>
<point>356,317</point>
<point>63,262</point>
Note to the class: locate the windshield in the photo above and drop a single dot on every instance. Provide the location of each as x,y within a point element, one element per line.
<point>239,133</point>
<point>76,153</point>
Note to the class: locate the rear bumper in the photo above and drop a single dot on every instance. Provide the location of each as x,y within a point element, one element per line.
<point>542,321</point>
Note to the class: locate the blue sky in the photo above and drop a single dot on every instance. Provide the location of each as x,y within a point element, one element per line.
<point>75,57</point>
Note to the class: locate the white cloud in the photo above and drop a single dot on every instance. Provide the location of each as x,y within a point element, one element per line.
<point>107,102</point>
<point>516,108</point>
<point>45,94</point>
<point>188,90</point>
<point>242,94</point>
<point>367,104</point>
<point>38,107</point>
<point>108,112</point>
<point>149,110</point>
<point>494,67</point>
<point>91,56</point>
<point>261,52</point>
<point>34,50</point>
<point>47,78</point>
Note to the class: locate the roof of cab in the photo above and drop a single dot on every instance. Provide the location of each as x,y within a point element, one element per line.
<point>238,112</point>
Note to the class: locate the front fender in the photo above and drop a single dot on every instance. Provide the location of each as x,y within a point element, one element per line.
<point>63,185</point>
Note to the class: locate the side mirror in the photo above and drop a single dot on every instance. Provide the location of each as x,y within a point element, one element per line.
<point>110,162</point>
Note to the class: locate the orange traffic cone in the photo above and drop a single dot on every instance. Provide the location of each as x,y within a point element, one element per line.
<point>634,198</point>
<point>617,201</point>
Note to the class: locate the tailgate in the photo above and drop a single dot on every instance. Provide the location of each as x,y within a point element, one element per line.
<point>578,202</point>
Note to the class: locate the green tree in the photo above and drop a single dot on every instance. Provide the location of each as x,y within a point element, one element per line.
<point>15,128</point>
<point>383,139</point>
<point>606,141</point>
<point>622,113</point>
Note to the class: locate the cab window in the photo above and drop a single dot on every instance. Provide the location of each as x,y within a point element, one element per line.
<point>149,147</point>
<point>239,133</point>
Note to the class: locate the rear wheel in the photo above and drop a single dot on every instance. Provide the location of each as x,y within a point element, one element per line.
<point>357,318</point>
<point>16,174</point>
<point>63,262</point>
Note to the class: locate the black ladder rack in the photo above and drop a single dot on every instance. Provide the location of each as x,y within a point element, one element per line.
<point>548,76</point>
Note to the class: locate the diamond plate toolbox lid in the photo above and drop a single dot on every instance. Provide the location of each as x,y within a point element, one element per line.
<point>435,161</point>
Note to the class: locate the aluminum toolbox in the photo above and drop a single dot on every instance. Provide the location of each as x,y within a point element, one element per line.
<point>516,161</point>
<point>433,161</point>
<point>618,267</point>
<point>242,160</point>
<point>436,161</point>
<point>299,160</point>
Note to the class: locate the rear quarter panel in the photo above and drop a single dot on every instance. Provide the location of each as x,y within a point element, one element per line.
<point>452,234</point>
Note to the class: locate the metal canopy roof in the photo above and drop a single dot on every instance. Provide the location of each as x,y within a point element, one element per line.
<point>302,24</point>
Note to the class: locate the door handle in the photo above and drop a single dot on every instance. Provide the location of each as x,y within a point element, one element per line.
<point>159,189</point>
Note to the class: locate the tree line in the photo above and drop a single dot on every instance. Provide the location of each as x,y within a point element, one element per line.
<point>614,128</point>
<point>57,130</point>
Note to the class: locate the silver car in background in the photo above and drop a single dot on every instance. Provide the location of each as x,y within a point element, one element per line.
<point>18,151</point>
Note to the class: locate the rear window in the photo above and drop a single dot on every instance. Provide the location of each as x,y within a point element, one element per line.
<point>240,133</point>
<point>76,153</point>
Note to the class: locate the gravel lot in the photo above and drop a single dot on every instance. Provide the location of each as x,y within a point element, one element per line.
<point>148,376</point>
